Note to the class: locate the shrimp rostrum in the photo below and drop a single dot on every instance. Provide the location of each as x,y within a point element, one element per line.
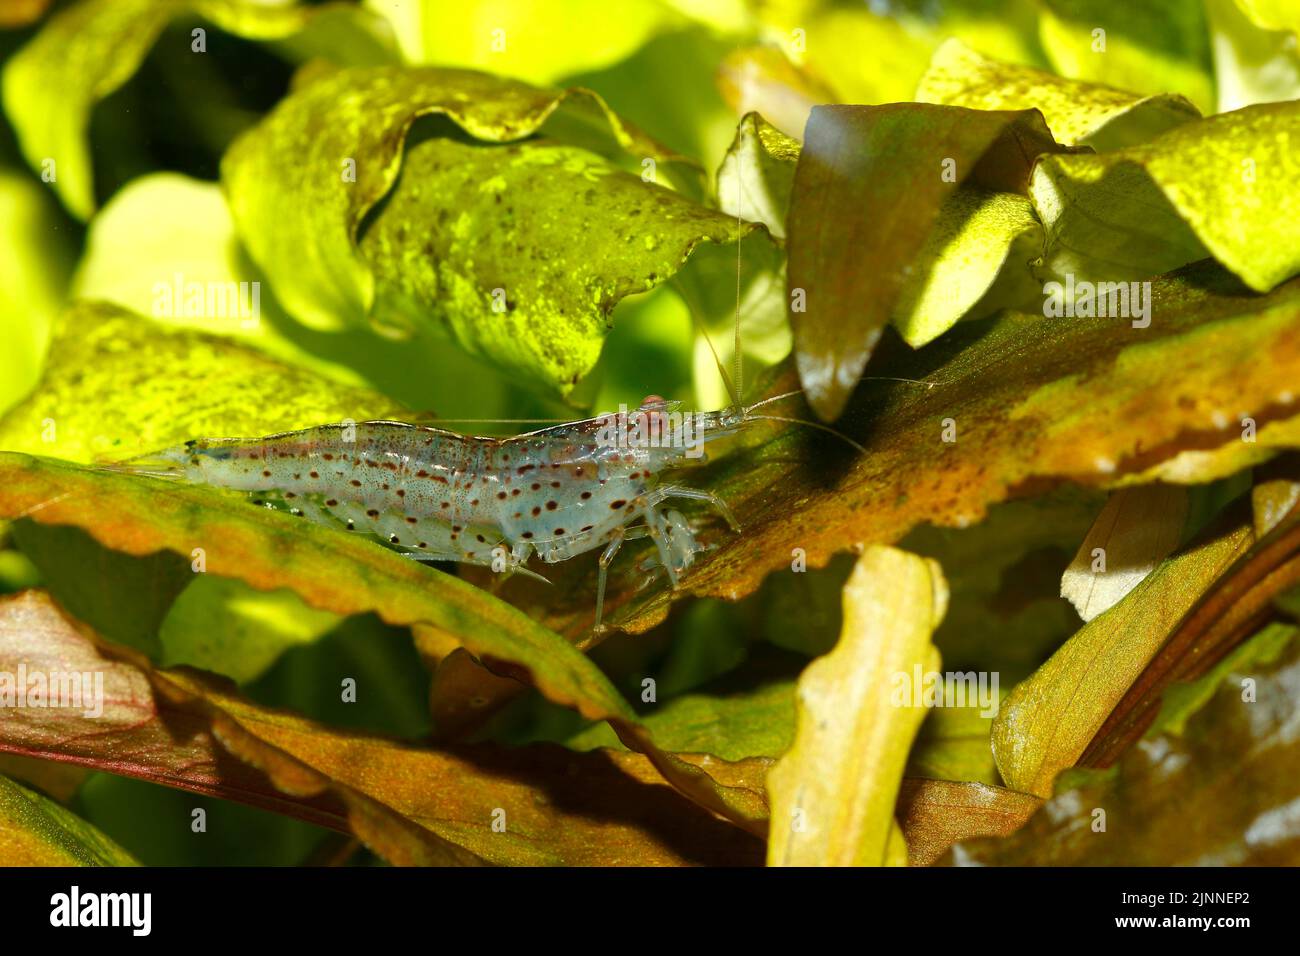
<point>441,496</point>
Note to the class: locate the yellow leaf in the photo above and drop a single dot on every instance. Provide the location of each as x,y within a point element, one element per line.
<point>833,793</point>
<point>1049,719</point>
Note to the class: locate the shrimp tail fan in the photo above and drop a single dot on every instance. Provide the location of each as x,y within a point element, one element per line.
<point>168,463</point>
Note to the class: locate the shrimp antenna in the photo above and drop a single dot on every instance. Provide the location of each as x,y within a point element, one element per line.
<point>865,378</point>
<point>738,356</point>
<point>692,308</point>
<point>817,425</point>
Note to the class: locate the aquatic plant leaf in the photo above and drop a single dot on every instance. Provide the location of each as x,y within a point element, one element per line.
<point>868,188</point>
<point>1272,14</point>
<point>91,48</point>
<point>225,626</point>
<point>117,385</point>
<point>519,38</point>
<point>270,551</point>
<point>521,251</point>
<point>183,729</point>
<point>1077,113</point>
<point>1005,614</point>
<point>164,246</point>
<point>954,742</point>
<point>974,262</point>
<point>935,814</point>
<point>757,723</point>
<point>1242,601</point>
<point>762,79</point>
<point>1183,699</point>
<point>1137,529</point>
<point>833,792</point>
<point>757,174</point>
<point>1146,209</point>
<point>36,831</point>
<point>34,267</point>
<point>1235,771</point>
<point>1153,48</point>
<point>124,598</point>
<point>1031,402</point>
<point>1048,720</point>
<point>1251,65</point>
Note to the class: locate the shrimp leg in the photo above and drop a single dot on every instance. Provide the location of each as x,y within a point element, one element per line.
<point>606,559</point>
<point>659,495</point>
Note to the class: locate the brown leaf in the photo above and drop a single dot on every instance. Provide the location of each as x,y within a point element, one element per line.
<point>183,729</point>
<point>867,191</point>
<point>1035,402</point>
<point>1223,793</point>
<point>935,814</point>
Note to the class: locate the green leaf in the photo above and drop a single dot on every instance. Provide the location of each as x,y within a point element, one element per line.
<point>291,186</point>
<point>972,264</point>
<point>833,793</point>
<point>954,743</point>
<point>834,41</point>
<point>362,654</point>
<point>757,174</point>
<point>1246,596</point>
<point>753,723</point>
<point>91,48</point>
<point>36,831</point>
<point>124,598</point>
<point>484,241</point>
<point>1182,700</point>
<point>518,38</point>
<point>973,261</point>
<point>762,79</point>
<point>522,251</point>
<point>869,187</point>
<point>1221,794</point>
<point>1049,719</point>
<point>1251,65</point>
<point>1272,14</point>
<point>157,248</point>
<point>1160,47</point>
<point>1077,113</point>
<point>1275,492</point>
<point>119,385</point>
<point>1151,208</point>
<point>225,626</point>
<point>34,266</point>
<point>1005,613</point>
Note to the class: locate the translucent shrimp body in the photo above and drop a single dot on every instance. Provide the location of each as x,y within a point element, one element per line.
<point>442,496</point>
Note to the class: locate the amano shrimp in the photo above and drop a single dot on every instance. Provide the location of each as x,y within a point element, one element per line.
<point>441,496</point>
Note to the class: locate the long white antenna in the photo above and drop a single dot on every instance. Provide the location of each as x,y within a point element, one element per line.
<point>739,395</point>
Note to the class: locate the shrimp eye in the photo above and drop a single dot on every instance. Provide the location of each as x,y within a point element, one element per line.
<point>652,408</point>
